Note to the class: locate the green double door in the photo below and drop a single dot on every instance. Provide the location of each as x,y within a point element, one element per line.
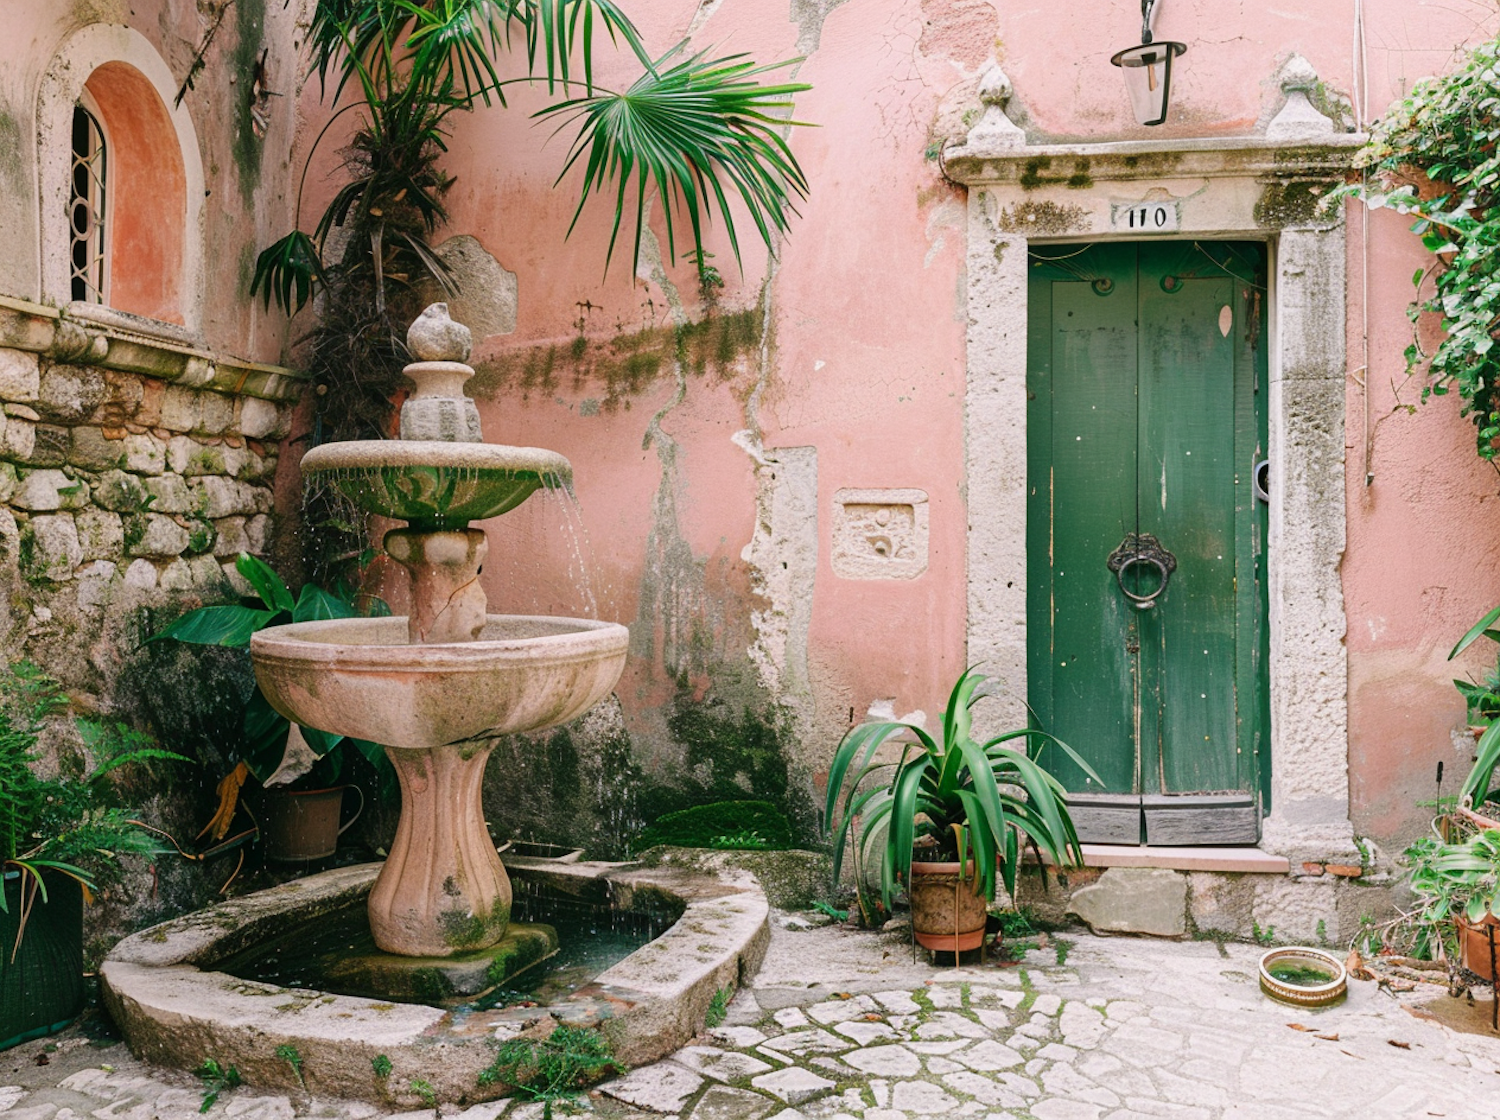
<point>1146,438</point>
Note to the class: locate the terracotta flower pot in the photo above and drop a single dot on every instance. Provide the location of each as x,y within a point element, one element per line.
<point>301,825</point>
<point>947,913</point>
<point>1474,944</point>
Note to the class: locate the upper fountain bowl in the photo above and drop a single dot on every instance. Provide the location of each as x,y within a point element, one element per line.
<point>360,677</point>
<point>435,485</point>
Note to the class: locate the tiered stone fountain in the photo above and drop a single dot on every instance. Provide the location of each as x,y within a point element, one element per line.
<point>438,687</point>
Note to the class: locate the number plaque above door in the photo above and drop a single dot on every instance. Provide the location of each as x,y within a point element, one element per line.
<point>1144,217</point>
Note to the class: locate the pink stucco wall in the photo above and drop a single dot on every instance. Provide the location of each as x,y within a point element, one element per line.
<point>865,357</point>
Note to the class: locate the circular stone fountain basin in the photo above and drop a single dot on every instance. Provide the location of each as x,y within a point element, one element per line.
<point>163,988</point>
<point>360,677</point>
<point>432,484</point>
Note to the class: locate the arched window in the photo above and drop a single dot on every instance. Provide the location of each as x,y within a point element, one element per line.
<point>88,258</point>
<point>121,181</point>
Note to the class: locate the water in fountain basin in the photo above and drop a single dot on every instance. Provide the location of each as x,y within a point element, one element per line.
<point>336,953</point>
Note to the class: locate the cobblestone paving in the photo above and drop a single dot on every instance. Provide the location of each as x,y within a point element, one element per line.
<point>843,1026</point>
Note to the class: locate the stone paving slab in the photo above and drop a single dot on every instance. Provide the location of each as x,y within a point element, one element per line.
<point>841,1025</point>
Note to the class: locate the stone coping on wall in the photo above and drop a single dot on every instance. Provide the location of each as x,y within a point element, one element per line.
<point>1079,165</point>
<point>86,334</point>
<point>175,1010</point>
<point>1185,859</point>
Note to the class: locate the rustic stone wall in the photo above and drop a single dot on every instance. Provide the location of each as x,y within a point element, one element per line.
<point>134,466</point>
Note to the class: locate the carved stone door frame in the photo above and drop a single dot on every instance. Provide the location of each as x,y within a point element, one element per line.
<point>1251,188</point>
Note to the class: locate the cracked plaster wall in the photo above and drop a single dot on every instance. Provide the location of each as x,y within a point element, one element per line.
<point>701,434</point>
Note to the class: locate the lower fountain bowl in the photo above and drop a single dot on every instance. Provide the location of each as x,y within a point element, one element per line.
<point>360,677</point>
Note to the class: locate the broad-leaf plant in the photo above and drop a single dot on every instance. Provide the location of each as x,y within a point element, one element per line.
<point>961,798</point>
<point>265,730</point>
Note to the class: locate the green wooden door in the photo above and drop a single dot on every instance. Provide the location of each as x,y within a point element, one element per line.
<point>1147,385</point>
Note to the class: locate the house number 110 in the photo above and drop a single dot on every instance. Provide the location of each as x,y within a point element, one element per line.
<point>1145,217</point>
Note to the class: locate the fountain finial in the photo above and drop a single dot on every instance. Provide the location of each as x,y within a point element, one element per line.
<point>434,337</point>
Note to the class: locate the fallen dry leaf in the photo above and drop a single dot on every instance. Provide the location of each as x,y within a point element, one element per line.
<point>1399,1045</point>
<point>843,995</point>
<point>1354,965</point>
<point>1327,1037</point>
<point>1351,1054</point>
<point>1396,984</point>
<point>871,1017</point>
<point>1298,1027</point>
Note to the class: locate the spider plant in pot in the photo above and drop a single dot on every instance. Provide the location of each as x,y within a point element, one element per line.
<point>950,816</point>
<point>1457,888</point>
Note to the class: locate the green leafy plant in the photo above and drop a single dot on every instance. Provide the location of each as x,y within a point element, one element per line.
<point>265,730</point>
<point>960,798</point>
<point>216,1079</point>
<point>381,1065</point>
<point>292,1057</point>
<point>1448,879</point>
<point>74,824</point>
<point>722,824</point>
<point>424,1090</point>
<point>828,909</point>
<point>552,1068</point>
<point>1436,156</point>
<point>1487,752</point>
<point>698,130</point>
<point>718,1007</point>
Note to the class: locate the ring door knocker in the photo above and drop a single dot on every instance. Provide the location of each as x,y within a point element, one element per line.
<point>1142,550</point>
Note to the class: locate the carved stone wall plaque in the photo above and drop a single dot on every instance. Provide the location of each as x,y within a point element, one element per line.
<point>879,534</point>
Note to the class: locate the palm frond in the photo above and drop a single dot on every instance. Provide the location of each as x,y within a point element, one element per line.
<point>287,272</point>
<point>690,130</point>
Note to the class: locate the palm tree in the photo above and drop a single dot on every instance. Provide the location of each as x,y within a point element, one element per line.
<point>698,130</point>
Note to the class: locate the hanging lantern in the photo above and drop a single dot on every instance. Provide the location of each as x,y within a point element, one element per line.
<point>1148,71</point>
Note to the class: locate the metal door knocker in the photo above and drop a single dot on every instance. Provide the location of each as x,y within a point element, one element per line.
<point>1137,550</point>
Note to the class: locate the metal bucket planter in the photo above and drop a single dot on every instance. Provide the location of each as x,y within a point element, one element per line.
<point>41,990</point>
<point>298,826</point>
<point>947,912</point>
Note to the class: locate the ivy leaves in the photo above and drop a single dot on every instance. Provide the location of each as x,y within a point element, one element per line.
<point>1436,156</point>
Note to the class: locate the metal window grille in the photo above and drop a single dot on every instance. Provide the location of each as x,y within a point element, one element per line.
<point>86,209</point>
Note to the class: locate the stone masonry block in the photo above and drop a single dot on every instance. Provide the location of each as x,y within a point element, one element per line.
<point>217,497</point>
<point>1220,903</point>
<point>258,534</point>
<point>259,419</point>
<point>42,490</point>
<point>9,481</point>
<point>180,410</point>
<point>121,492</point>
<point>1148,900</point>
<point>91,450</point>
<point>200,574</point>
<point>232,538</point>
<point>70,393</point>
<point>20,373</point>
<point>50,546</point>
<point>1289,911</point>
<point>154,534</point>
<point>216,413</point>
<point>101,534</point>
<point>93,583</point>
<point>50,446</point>
<point>170,494</point>
<point>145,454</point>
<point>187,456</point>
<point>17,438</point>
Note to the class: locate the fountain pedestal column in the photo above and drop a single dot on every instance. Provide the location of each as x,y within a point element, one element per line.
<point>447,602</point>
<point>443,888</point>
